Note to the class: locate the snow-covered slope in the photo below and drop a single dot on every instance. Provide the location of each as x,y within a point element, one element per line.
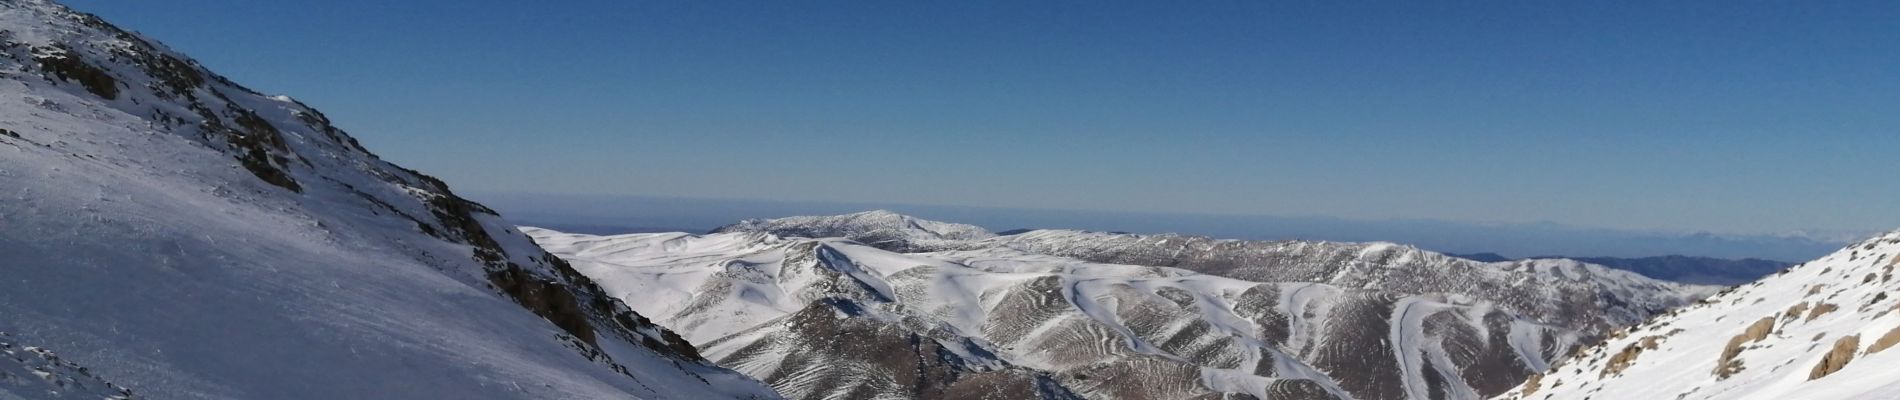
<point>28,372</point>
<point>798,314</point>
<point>768,306</point>
<point>1820,330</point>
<point>879,228</point>
<point>190,238</point>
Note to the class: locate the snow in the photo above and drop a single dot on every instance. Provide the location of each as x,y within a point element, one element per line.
<point>32,372</point>
<point>678,279</point>
<point>143,250</point>
<point>1091,303</point>
<point>1857,281</point>
<point>1408,326</point>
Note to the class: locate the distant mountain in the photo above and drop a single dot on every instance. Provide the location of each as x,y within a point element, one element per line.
<point>1674,268</point>
<point>1483,257</point>
<point>702,214</point>
<point>1107,315</point>
<point>1694,270</point>
<point>1821,330</point>
<point>169,233</point>
<point>879,228</point>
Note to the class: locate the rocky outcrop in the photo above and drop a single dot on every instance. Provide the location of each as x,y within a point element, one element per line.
<point>1836,358</point>
<point>1726,365</point>
<point>1885,341</point>
<point>1625,358</point>
<point>1820,310</point>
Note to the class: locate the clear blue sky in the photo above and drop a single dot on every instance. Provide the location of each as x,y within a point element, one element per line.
<point>1717,116</point>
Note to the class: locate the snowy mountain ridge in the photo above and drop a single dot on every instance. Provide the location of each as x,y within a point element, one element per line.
<point>1556,286</point>
<point>1532,285</point>
<point>186,237</point>
<point>1080,310</point>
<point>1820,330</point>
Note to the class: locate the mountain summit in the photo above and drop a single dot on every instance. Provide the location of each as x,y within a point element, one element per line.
<point>180,236</point>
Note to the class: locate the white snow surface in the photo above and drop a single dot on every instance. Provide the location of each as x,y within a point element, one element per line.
<point>134,242</point>
<point>1810,308</point>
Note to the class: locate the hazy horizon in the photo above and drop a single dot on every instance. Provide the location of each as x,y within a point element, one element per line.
<point>610,214</point>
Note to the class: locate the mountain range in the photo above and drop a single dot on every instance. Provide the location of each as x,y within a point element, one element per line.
<point>1095,315</point>
<point>651,214</point>
<point>169,233</point>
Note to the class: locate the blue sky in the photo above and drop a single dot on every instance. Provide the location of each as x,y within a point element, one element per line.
<point>1690,116</point>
